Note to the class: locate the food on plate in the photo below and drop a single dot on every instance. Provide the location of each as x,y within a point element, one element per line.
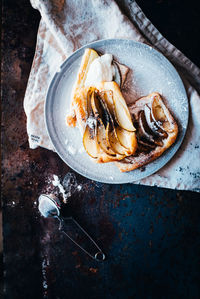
<point>94,69</point>
<point>96,121</point>
<point>113,132</point>
<point>156,131</point>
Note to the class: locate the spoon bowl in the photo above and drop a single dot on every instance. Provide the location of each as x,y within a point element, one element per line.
<point>49,206</point>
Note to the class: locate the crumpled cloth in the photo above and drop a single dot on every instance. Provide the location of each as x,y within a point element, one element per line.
<point>65,26</point>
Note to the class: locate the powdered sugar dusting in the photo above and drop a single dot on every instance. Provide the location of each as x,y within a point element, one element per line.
<point>66,187</point>
<point>70,184</point>
<point>91,122</point>
<point>79,187</point>
<point>56,182</point>
<point>71,150</point>
<point>81,150</point>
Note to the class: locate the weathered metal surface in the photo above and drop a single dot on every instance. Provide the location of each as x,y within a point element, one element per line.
<point>151,236</point>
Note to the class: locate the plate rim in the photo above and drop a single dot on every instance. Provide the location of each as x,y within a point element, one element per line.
<point>57,74</point>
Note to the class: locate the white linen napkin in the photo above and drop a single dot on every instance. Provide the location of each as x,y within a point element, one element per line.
<point>65,26</point>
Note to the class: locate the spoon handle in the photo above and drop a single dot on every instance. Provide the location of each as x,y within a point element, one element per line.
<point>98,255</point>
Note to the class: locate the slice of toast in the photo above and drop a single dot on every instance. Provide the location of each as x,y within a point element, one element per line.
<point>89,56</point>
<point>156,131</point>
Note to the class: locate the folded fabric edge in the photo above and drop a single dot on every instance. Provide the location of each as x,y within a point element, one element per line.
<point>34,138</point>
<point>166,186</point>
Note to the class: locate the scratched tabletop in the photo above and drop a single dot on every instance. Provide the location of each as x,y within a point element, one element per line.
<point>151,236</point>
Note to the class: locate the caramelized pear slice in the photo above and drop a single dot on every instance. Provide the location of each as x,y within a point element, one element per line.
<point>122,113</point>
<point>108,140</point>
<point>107,116</point>
<point>127,139</point>
<point>152,124</point>
<point>100,109</point>
<point>144,131</point>
<point>112,137</point>
<point>90,142</point>
<point>159,116</point>
<point>109,105</point>
<point>147,144</point>
<point>114,143</point>
<point>96,106</point>
<point>100,114</point>
<point>94,150</point>
<point>121,110</point>
<point>116,146</point>
<point>102,141</point>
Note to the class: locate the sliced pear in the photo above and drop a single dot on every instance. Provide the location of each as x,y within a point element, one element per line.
<point>109,105</point>
<point>113,142</point>
<point>108,129</point>
<point>123,116</point>
<point>106,103</point>
<point>105,135</point>
<point>90,142</point>
<point>99,108</point>
<point>152,124</point>
<point>144,130</point>
<point>102,141</point>
<point>115,145</point>
<point>121,109</point>
<point>158,115</point>
<point>107,114</point>
<point>111,134</point>
<point>96,106</point>
<point>111,127</point>
<point>107,95</point>
<point>94,150</point>
<point>155,117</point>
<point>105,158</point>
<point>158,111</point>
<point>100,114</point>
<point>147,144</point>
<point>127,139</point>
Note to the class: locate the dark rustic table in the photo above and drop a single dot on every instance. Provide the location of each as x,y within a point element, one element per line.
<point>151,236</point>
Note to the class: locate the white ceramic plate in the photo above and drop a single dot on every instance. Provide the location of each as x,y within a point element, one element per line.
<point>151,71</point>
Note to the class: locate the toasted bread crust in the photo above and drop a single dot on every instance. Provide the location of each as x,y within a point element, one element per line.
<point>75,112</point>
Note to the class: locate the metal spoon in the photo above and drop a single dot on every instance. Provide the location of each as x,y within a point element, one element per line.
<point>49,206</point>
